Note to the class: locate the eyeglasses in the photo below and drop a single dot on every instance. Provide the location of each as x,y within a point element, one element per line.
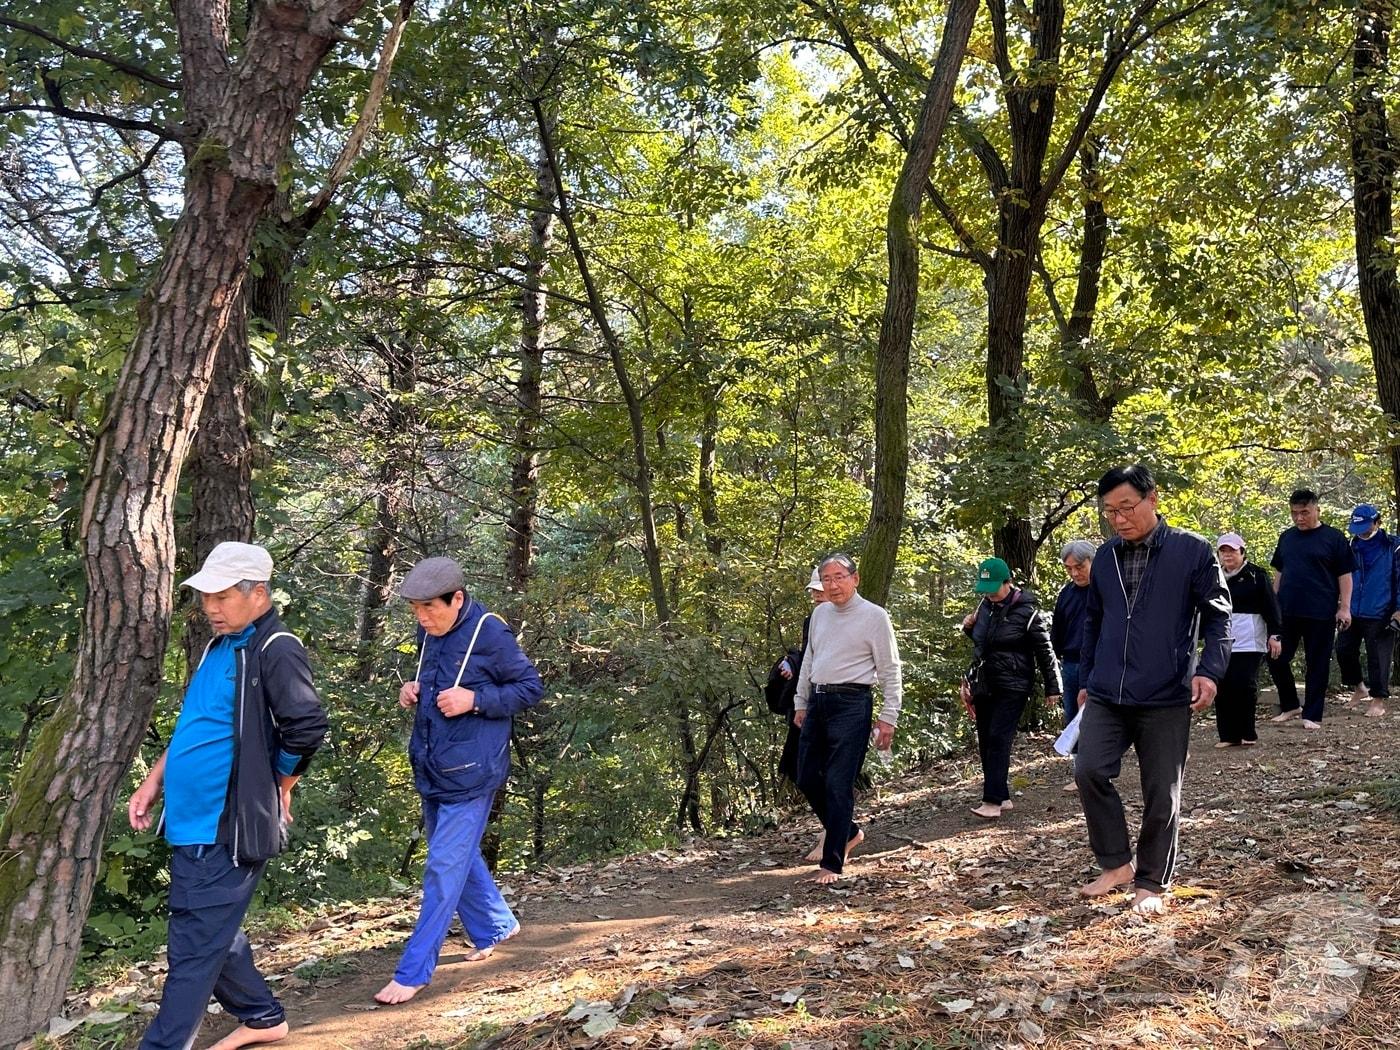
<point>1114,513</point>
<point>836,579</point>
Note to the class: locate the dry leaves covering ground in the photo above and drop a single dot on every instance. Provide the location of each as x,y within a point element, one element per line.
<point>947,932</point>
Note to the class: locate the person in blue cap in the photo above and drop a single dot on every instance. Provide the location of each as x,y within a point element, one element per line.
<point>1375,610</point>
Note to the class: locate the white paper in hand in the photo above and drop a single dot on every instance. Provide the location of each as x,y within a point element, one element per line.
<point>1064,743</point>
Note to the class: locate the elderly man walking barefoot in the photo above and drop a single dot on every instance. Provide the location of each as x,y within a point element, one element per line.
<point>472,680</point>
<point>248,727</point>
<point>1154,592</point>
<point>850,647</point>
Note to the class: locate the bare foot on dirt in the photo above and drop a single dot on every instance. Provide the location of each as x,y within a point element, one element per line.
<point>816,851</point>
<point>483,953</point>
<point>1360,693</point>
<point>987,811</point>
<point>245,1036</point>
<point>394,993</point>
<point>824,877</point>
<point>1375,710</point>
<point>1108,881</point>
<point>851,846</point>
<point>1148,902</point>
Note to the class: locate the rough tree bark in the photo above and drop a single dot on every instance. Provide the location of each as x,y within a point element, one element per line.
<point>1373,163</point>
<point>51,836</point>
<point>877,562</point>
<point>220,469</point>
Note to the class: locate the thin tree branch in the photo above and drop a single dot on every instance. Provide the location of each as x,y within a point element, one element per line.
<point>129,68</point>
<point>1114,58</point>
<point>164,131</point>
<point>131,173</point>
<point>369,114</point>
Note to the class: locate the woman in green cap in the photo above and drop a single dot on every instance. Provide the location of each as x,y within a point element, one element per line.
<point>1010,640</point>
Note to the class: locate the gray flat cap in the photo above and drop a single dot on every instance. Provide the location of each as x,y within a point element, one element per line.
<point>432,578</point>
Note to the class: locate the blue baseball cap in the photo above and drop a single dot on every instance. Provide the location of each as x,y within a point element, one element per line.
<point>1363,516</point>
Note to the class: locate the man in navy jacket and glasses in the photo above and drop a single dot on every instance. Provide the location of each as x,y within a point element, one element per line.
<point>1156,643</point>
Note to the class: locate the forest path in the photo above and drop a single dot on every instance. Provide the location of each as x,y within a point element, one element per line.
<point>947,931</point>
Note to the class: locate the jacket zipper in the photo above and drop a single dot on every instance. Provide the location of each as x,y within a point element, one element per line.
<point>1131,605</point>
<point>237,745</point>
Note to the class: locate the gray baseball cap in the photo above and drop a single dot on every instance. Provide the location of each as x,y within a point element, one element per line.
<point>432,578</point>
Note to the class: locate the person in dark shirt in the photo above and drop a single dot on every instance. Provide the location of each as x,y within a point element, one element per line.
<point>1312,576</point>
<point>1067,626</point>
<point>1255,623</point>
<point>1375,610</point>
<point>1010,642</point>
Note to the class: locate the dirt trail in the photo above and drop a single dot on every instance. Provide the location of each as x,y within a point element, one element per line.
<point>947,931</point>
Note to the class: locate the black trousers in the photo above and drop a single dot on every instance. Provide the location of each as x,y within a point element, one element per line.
<point>1316,636</point>
<point>997,719</point>
<point>1160,736</point>
<point>1237,698</point>
<point>835,736</point>
<point>1380,644</point>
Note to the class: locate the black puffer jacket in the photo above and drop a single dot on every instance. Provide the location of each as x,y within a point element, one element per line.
<point>1010,638</point>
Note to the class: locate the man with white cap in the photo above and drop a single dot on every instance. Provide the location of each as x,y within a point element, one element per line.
<point>248,726</point>
<point>472,679</point>
<point>1375,610</point>
<point>1255,623</point>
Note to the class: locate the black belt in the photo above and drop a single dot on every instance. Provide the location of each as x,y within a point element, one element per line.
<point>842,689</point>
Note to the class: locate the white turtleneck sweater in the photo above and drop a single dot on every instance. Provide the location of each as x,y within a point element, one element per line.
<point>852,644</point>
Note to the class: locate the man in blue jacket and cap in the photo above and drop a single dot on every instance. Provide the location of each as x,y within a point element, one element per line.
<point>472,680</point>
<point>248,726</point>
<point>1155,592</point>
<point>1375,610</point>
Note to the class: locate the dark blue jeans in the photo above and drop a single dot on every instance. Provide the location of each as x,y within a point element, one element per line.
<point>832,748</point>
<point>207,952</point>
<point>1069,699</point>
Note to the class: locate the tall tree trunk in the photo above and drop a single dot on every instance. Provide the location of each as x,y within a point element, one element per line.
<point>901,301</point>
<point>1373,163</point>
<point>1079,325</point>
<point>51,836</point>
<point>400,357</point>
<point>220,468</point>
<point>534,300</point>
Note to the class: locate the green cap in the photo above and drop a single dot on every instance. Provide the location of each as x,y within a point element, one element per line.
<point>991,574</point>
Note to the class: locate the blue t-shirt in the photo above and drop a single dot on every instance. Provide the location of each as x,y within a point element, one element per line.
<point>200,758</point>
<point>1311,562</point>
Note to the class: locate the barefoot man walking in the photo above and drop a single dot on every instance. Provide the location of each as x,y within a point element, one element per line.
<point>1154,593</point>
<point>248,727</point>
<point>850,646</point>
<point>472,679</point>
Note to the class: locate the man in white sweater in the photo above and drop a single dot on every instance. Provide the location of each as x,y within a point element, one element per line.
<point>850,646</point>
